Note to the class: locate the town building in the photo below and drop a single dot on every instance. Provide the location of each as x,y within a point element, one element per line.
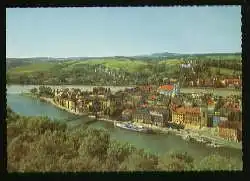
<point>127,114</point>
<point>142,115</point>
<point>231,111</point>
<point>169,89</point>
<point>189,117</point>
<point>207,82</point>
<point>159,116</point>
<point>230,131</point>
<point>232,82</point>
<point>204,116</point>
<point>146,88</point>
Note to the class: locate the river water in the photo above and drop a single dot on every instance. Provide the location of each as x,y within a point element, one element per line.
<point>155,143</point>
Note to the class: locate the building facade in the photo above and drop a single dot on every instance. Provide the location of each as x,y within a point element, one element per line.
<point>142,116</point>
<point>169,90</point>
<point>189,117</point>
<point>230,131</point>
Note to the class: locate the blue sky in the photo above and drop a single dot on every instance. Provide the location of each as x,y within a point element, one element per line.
<point>72,32</point>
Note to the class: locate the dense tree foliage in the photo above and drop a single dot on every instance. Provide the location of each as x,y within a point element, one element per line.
<point>40,144</point>
<point>34,91</point>
<point>45,91</point>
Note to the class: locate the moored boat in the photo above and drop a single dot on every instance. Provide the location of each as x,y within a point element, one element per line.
<point>214,145</point>
<point>132,127</point>
<point>186,137</point>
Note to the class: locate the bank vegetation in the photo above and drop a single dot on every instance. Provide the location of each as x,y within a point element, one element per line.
<point>38,144</point>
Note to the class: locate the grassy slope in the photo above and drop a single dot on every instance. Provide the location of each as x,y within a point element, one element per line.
<point>223,71</point>
<point>126,64</point>
<point>34,67</point>
<point>226,57</point>
<point>112,63</point>
<point>171,62</point>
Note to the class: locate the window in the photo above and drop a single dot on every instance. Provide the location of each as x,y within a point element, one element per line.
<point>204,114</point>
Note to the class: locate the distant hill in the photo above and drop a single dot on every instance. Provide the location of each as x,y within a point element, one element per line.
<point>155,56</point>
<point>165,54</point>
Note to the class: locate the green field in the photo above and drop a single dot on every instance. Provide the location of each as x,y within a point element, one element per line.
<point>35,67</point>
<point>171,62</point>
<point>224,71</point>
<point>131,66</point>
<point>219,91</point>
<point>225,57</point>
<point>126,64</point>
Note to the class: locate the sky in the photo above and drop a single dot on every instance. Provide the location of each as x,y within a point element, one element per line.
<point>127,31</point>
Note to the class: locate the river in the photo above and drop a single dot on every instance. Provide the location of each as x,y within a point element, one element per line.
<point>154,143</point>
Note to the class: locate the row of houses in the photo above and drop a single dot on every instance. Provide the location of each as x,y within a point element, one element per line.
<point>231,130</point>
<point>229,82</point>
<point>184,117</point>
<point>166,106</point>
<point>133,105</point>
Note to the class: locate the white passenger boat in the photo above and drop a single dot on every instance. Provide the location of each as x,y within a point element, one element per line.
<point>213,145</point>
<point>132,127</point>
<point>186,137</point>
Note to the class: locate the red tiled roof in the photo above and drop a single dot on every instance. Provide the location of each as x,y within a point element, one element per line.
<point>166,87</point>
<point>188,110</point>
<point>233,81</point>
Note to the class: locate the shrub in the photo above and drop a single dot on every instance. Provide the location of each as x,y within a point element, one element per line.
<point>96,143</point>
<point>176,161</point>
<point>216,162</point>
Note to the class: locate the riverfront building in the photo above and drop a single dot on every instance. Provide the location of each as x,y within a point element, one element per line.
<point>189,117</point>
<point>165,108</point>
<point>127,115</point>
<point>142,115</point>
<point>159,115</point>
<point>231,131</point>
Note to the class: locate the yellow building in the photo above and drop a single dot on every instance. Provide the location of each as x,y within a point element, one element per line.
<point>177,117</point>
<point>70,104</point>
<point>189,117</point>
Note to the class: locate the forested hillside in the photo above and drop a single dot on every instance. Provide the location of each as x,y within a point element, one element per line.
<point>121,71</point>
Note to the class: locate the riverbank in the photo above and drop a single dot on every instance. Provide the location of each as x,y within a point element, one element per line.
<point>217,91</point>
<point>201,136</point>
<point>26,88</point>
<point>50,100</point>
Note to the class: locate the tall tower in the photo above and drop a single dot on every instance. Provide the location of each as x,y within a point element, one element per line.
<point>177,88</point>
